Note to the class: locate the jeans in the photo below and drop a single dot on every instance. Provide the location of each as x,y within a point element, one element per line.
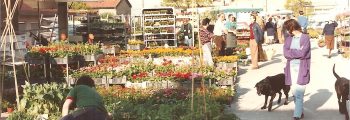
<point>207,57</point>
<point>89,114</point>
<point>188,41</point>
<point>298,90</point>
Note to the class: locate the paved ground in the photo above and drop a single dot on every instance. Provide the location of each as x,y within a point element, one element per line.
<point>320,100</point>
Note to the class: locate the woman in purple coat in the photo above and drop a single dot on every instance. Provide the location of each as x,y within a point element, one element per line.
<point>297,71</point>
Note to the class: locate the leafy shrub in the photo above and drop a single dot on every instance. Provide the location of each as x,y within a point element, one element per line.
<point>21,115</point>
<point>43,99</point>
<point>167,104</point>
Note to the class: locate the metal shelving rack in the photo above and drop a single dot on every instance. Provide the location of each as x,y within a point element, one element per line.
<point>159,27</point>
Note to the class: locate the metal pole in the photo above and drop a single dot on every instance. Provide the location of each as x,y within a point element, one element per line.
<point>39,21</point>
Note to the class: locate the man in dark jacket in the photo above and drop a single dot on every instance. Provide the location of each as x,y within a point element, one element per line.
<point>186,31</point>
<point>328,31</point>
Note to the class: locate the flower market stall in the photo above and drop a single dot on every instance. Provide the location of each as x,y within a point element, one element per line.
<point>136,82</point>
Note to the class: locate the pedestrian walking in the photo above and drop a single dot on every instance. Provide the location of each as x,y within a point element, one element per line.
<point>230,30</point>
<point>303,22</point>
<point>328,32</point>
<point>279,27</point>
<point>205,38</point>
<point>219,35</point>
<point>256,37</point>
<point>297,71</point>
<point>270,31</point>
<point>261,22</point>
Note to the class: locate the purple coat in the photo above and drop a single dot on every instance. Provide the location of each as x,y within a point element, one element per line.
<point>304,55</point>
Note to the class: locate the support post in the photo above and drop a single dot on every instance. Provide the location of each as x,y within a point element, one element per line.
<point>62,18</point>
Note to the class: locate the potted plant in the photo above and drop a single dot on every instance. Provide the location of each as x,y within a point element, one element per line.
<point>8,106</point>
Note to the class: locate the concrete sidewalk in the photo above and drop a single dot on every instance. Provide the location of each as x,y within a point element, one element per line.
<point>320,102</point>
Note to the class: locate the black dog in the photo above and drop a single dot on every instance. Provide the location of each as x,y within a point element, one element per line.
<point>342,89</point>
<point>270,86</point>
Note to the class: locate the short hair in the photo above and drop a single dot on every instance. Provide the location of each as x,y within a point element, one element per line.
<point>270,19</point>
<point>301,12</point>
<point>205,21</point>
<point>230,15</point>
<point>85,80</point>
<point>292,25</point>
<point>254,17</point>
<point>221,14</point>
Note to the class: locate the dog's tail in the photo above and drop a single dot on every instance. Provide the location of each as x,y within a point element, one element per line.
<point>335,74</point>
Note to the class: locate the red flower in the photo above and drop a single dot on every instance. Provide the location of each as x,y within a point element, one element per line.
<point>134,76</point>
<point>42,50</point>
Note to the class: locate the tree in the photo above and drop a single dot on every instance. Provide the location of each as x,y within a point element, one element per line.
<point>77,6</point>
<point>187,3</point>
<point>299,5</point>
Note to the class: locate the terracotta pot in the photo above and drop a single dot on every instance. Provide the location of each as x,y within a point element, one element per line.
<point>9,110</point>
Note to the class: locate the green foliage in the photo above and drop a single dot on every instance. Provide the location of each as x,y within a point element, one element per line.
<point>166,104</point>
<point>43,98</point>
<point>106,15</point>
<point>21,115</point>
<point>314,33</point>
<point>78,6</point>
<point>187,3</point>
<point>211,14</point>
<point>299,5</point>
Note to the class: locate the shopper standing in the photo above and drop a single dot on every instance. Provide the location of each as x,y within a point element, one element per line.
<point>91,38</point>
<point>270,30</point>
<point>279,26</point>
<point>63,38</point>
<point>297,71</point>
<point>256,36</point>
<point>261,22</point>
<point>230,30</point>
<point>219,35</point>
<point>186,31</point>
<point>303,22</point>
<point>328,32</point>
<point>205,38</point>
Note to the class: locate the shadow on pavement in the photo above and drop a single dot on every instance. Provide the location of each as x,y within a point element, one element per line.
<point>239,92</point>
<point>287,115</point>
<point>273,61</point>
<point>318,99</point>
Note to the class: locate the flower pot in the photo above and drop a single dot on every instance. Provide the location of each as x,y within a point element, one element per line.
<point>90,57</point>
<point>226,82</point>
<point>9,110</point>
<point>100,81</point>
<point>135,47</point>
<point>61,60</point>
<point>118,80</point>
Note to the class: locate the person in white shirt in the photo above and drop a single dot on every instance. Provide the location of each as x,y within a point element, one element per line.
<point>219,35</point>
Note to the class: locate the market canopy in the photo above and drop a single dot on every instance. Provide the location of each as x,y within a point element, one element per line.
<point>78,0</point>
<point>280,12</point>
<point>237,10</point>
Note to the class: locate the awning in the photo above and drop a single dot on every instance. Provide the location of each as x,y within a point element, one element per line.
<point>237,10</point>
<point>77,0</point>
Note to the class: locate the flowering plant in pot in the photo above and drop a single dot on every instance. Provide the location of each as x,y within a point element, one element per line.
<point>7,105</point>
